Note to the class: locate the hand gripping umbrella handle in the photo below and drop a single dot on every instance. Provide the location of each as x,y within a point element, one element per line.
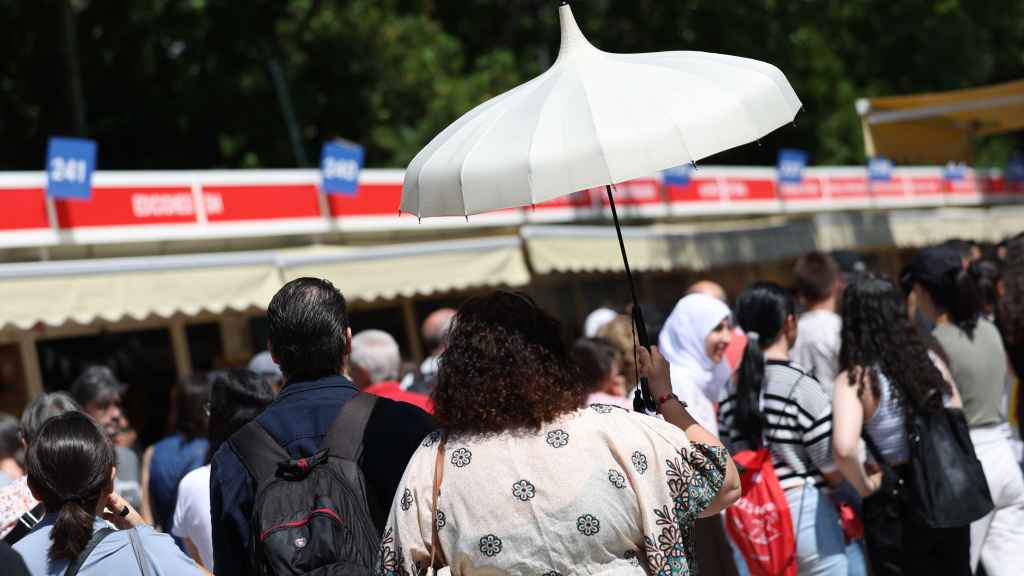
<point>642,400</point>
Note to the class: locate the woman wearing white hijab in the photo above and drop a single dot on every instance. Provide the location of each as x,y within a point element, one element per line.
<point>694,341</point>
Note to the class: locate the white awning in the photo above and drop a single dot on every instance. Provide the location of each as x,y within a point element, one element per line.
<point>118,289</point>
<point>663,248</point>
<point>576,249</point>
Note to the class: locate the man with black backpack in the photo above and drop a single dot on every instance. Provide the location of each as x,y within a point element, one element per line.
<point>307,485</point>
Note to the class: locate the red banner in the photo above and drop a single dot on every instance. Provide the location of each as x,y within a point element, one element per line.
<point>126,206</point>
<point>371,200</point>
<point>23,209</point>
<point>256,202</point>
<point>270,202</point>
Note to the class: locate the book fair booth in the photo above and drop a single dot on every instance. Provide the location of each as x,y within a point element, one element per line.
<point>166,273</point>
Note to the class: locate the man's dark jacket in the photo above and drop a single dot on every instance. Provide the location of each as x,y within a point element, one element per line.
<point>298,419</point>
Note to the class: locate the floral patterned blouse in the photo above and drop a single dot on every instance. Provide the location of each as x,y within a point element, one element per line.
<point>602,490</point>
<point>15,500</point>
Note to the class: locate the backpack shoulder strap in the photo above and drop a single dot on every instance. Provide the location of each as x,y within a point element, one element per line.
<point>258,451</point>
<point>26,522</point>
<point>97,537</point>
<point>345,437</point>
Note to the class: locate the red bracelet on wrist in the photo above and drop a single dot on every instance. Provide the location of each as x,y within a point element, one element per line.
<point>670,396</point>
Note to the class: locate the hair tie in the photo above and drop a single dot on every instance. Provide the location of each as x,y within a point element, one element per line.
<point>73,499</point>
<point>753,336</point>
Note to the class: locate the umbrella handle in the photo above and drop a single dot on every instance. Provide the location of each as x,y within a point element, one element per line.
<point>642,400</point>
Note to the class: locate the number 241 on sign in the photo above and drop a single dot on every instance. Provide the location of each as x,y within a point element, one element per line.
<point>67,169</point>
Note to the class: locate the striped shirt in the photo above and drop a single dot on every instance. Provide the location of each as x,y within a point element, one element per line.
<point>798,431</point>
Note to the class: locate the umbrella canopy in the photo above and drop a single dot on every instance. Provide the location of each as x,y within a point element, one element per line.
<point>595,118</point>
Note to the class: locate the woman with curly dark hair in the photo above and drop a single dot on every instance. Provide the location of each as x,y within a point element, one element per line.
<point>886,369</point>
<point>533,482</point>
<point>947,294</point>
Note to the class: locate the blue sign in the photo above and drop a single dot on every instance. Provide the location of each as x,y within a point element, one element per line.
<point>791,165</point>
<point>880,169</point>
<point>69,166</point>
<point>678,176</point>
<point>1015,169</point>
<point>954,171</point>
<point>340,163</point>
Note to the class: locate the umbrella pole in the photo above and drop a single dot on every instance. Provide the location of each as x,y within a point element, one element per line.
<point>642,398</point>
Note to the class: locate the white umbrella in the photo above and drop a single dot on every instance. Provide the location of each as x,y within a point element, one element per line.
<point>595,118</point>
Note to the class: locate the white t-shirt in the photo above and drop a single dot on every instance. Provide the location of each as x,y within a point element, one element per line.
<point>192,513</point>
<point>817,345</point>
<point>698,405</point>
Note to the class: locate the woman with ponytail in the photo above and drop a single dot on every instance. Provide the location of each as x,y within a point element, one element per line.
<point>71,471</point>
<point>775,403</point>
<point>946,293</point>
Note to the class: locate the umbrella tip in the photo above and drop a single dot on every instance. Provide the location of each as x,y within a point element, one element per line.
<point>572,38</point>
<point>693,164</point>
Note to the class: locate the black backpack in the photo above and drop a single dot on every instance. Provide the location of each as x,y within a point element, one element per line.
<point>311,515</point>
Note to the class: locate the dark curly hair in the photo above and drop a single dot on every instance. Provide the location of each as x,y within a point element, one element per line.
<point>1011,307</point>
<point>505,368</point>
<point>878,334</point>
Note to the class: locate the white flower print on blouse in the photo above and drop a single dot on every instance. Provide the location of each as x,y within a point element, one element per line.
<point>431,438</point>
<point>588,525</point>
<point>490,545</point>
<point>639,462</point>
<point>462,457</point>
<point>557,438</point>
<point>523,490</point>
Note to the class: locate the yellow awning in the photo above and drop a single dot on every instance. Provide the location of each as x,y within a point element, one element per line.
<point>939,127</point>
<point>115,289</point>
<point>118,289</point>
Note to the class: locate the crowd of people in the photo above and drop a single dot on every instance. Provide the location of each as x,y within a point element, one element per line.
<point>509,450</point>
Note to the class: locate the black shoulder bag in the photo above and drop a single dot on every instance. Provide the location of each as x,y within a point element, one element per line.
<point>947,486</point>
<point>943,485</point>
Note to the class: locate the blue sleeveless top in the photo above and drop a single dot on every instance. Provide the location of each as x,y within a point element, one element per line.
<point>173,457</point>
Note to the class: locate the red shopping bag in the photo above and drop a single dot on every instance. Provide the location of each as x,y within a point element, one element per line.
<point>759,522</point>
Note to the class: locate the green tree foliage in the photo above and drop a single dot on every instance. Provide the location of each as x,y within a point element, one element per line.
<point>188,83</point>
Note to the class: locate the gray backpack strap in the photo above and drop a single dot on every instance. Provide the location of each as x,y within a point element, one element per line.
<point>345,437</point>
<point>140,552</point>
<point>258,451</point>
<point>97,536</point>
